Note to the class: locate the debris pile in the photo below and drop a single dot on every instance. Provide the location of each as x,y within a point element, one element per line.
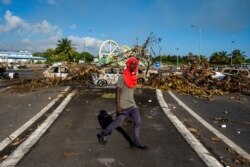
<point>78,75</point>
<point>181,85</point>
<point>197,80</point>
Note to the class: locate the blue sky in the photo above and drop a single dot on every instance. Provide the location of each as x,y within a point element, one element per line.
<point>36,25</point>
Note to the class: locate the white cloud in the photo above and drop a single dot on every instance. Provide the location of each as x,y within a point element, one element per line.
<point>88,44</point>
<point>44,27</point>
<point>16,24</point>
<point>26,41</point>
<point>12,23</point>
<point>40,36</point>
<point>6,2</point>
<point>50,2</point>
<point>73,26</point>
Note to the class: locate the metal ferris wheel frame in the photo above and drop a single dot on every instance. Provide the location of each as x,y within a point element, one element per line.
<point>109,48</point>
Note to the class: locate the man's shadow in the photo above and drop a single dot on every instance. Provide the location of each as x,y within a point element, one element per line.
<point>105,119</point>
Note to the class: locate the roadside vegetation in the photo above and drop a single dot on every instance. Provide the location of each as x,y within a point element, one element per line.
<point>65,51</point>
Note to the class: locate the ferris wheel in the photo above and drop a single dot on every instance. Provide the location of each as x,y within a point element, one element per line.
<point>109,49</point>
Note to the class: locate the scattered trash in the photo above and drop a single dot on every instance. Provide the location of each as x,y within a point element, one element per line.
<point>16,141</point>
<point>193,130</point>
<point>108,95</point>
<point>150,117</point>
<point>195,101</point>
<point>223,126</point>
<point>172,106</point>
<point>226,112</point>
<point>238,132</point>
<point>149,101</point>
<point>215,139</point>
<point>68,154</point>
<point>224,162</point>
<point>3,158</point>
<point>237,159</point>
<point>220,120</point>
<point>49,98</point>
<point>29,105</point>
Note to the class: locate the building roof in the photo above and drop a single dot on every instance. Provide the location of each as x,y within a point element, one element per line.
<point>19,55</point>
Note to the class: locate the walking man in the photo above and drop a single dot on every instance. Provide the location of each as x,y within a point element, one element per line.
<point>125,104</point>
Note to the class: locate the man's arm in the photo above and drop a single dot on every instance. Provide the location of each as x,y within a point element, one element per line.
<point>118,106</point>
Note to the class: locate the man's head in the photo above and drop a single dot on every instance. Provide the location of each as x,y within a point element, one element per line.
<point>132,64</point>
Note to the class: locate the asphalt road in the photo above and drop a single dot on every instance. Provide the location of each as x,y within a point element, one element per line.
<point>23,74</point>
<point>72,141</point>
<point>29,73</point>
<point>230,110</point>
<point>18,108</point>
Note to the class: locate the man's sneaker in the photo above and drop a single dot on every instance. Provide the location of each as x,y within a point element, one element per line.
<point>139,146</point>
<point>102,139</point>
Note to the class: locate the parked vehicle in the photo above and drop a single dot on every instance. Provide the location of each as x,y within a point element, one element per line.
<point>110,75</point>
<point>106,76</point>
<point>56,71</point>
<point>245,66</point>
<point>8,75</point>
<point>236,72</point>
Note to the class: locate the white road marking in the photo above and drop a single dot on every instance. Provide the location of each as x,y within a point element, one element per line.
<point>20,130</point>
<point>226,140</point>
<point>202,152</point>
<point>24,148</point>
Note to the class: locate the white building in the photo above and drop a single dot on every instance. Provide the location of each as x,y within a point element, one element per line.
<point>21,56</point>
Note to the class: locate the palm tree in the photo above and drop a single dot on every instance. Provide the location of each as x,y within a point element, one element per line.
<point>238,56</point>
<point>64,46</point>
<point>218,58</point>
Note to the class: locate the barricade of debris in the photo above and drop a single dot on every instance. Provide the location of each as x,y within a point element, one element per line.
<point>77,75</point>
<point>198,80</point>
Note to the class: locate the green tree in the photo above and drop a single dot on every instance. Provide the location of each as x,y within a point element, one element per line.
<point>49,54</point>
<point>84,56</point>
<point>248,60</point>
<point>87,57</point>
<point>218,58</point>
<point>238,57</point>
<point>65,47</point>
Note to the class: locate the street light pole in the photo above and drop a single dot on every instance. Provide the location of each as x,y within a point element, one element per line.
<point>232,52</point>
<point>160,56</point>
<point>199,38</point>
<point>84,49</point>
<point>177,63</point>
